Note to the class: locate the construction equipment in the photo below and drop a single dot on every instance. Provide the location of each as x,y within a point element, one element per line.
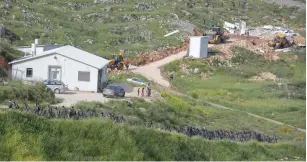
<point>280,41</point>
<point>118,62</point>
<point>216,35</point>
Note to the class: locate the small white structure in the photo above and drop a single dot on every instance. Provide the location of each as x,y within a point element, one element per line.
<point>78,69</point>
<point>198,46</point>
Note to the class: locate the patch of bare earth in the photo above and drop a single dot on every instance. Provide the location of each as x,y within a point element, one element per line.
<point>264,76</point>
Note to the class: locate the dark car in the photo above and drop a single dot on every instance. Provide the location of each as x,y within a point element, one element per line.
<point>113,91</point>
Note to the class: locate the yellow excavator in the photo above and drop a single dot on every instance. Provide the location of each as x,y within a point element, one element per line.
<point>118,62</point>
<point>280,41</point>
<point>216,35</point>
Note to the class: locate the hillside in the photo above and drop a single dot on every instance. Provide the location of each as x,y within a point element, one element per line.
<point>27,137</point>
<point>106,26</point>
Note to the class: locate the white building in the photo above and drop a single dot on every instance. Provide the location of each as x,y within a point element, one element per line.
<point>36,49</point>
<point>198,46</point>
<point>77,69</point>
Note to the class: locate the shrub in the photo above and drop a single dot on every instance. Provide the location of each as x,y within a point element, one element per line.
<point>285,129</point>
<point>195,95</point>
<point>2,73</point>
<point>16,90</point>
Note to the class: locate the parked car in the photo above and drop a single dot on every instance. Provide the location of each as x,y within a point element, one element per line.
<point>137,81</point>
<point>113,90</point>
<point>56,86</point>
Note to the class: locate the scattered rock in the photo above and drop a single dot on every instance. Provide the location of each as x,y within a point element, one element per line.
<point>264,76</point>
<point>108,9</point>
<point>184,68</point>
<point>89,41</point>
<point>196,70</point>
<point>204,76</point>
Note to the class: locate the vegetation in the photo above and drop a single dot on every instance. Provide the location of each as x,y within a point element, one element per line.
<point>282,100</point>
<point>16,90</point>
<point>27,137</point>
<point>7,52</point>
<point>176,111</point>
<point>123,76</point>
<point>105,27</point>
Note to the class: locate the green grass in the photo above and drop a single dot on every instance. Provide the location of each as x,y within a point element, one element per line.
<point>63,18</point>
<point>231,87</point>
<point>26,137</point>
<point>176,111</point>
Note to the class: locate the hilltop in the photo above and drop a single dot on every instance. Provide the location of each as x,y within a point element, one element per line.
<point>106,26</point>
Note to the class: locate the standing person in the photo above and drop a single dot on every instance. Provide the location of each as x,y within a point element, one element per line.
<point>143,91</point>
<point>149,92</point>
<point>138,91</point>
<point>171,77</point>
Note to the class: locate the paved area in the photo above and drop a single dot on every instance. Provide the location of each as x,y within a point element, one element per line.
<point>71,98</point>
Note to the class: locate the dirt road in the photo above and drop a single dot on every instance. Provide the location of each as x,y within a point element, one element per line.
<point>152,71</point>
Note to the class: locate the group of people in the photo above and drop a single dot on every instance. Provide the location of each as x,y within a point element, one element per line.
<point>63,112</point>
<point>143,90</point>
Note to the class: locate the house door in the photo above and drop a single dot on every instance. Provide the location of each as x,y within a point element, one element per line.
<point>55,73</point>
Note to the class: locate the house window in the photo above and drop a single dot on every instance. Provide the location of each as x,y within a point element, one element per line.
<point>29,72</point>
<point>84,76</point>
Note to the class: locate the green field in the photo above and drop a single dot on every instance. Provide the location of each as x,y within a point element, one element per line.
<point>282,100</point>
<point>27,137</point>
<point>105,28</point>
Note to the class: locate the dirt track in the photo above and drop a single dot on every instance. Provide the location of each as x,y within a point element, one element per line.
<point>152,72</point>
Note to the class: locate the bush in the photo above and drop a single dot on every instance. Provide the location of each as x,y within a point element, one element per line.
<point>195,95</point>
<point>16,90</point>
<point>285,129</point>
<point>2,73</point>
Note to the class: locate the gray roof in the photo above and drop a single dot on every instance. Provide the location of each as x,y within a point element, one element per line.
<point>73,53</point>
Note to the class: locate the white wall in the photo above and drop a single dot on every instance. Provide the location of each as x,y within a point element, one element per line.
<point>29,50</point>
<point>69,71</point>
<point>198,46</point>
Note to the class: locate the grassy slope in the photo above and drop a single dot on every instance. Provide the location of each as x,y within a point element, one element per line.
<point>229,86</point>
<point>25,137</point>
<point>177,111</point>
<point>63,18</point>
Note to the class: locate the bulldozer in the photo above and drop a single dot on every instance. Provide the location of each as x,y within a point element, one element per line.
<point>280,41</point>
<point>118,62</point>
<point>216,35</point>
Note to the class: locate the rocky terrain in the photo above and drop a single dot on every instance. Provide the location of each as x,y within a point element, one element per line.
<point>106,26</point>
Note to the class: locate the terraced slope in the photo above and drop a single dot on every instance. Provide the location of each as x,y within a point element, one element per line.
<point>106,26</point>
